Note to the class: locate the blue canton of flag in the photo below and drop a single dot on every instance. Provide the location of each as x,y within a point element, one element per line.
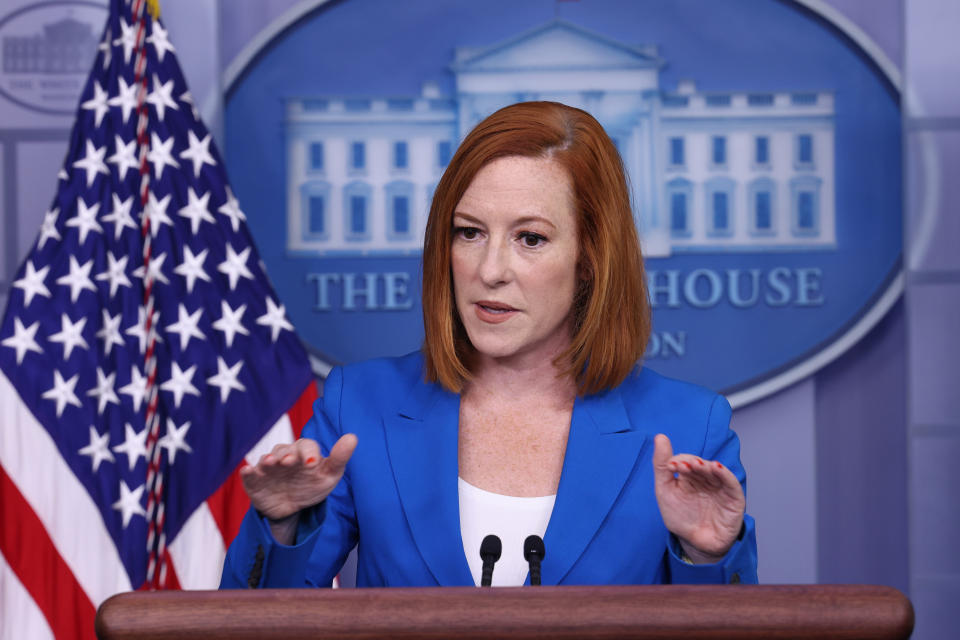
<point>75,336</point>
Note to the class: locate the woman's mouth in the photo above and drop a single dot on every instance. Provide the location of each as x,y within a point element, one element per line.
<point>493,312</point>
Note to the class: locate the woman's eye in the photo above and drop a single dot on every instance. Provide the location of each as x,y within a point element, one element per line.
<point>467,233</point>
<point>532,239</point>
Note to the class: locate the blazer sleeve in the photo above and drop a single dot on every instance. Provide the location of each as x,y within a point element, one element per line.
<point>325,533</point>
<point>740,563</point>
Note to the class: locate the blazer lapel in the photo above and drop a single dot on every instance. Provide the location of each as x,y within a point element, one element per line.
<point>602,451</point>
<point>422,445</point>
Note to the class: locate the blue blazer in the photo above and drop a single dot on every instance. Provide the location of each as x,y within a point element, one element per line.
<point>398,501</point>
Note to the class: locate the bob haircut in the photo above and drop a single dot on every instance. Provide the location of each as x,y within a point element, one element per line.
<point>611,311</point>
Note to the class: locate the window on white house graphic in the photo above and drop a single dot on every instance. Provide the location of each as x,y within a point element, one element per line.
<point>718,151</point>
<point>805,197</point>
<point>358,156</point>
<point>399,198</point>
<point>761,151</point>
<point>444,153</point>
<point>400,155</point>
<point>676,152</point>
<point>315,161</point>
<point>318,212</point>
<point>356,199</point>
<point>679,201</point>
<point>804,151</point>
<point>719,195</point>
<point>761,201</point>
<point>314,207</point>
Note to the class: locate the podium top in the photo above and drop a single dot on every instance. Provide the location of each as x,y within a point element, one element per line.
<point>667,611</point>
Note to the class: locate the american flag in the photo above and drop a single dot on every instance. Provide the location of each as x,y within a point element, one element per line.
<point>143,354</point>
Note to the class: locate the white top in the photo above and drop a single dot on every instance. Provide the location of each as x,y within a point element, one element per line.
<point>509,517</point>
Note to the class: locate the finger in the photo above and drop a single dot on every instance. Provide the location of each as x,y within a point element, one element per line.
<point>280,450</point>
<point>249,470</point>
<point>309,451</point>
<point>726,478</point>
<point>697,470</point>
<point>341,452</point>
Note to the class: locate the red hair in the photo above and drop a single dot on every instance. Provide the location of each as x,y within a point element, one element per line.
<point>611,309</point>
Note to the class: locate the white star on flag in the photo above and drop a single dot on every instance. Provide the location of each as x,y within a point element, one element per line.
<point>86,219</point>
<point>226,378</point>
<point>134,445</point>
<point>110,333</point>
<point>128,38</point>
<point>161,97</point>
<point>98,449</point>
<point>199,152</point>
<point>32,283</point>
<point>160,154</point>
<point>120,215</point>
<point>235,266</point>
<point>97,104</point>
<point>126,98</point>
<point>231,209</point>
<point>180,383</point>
<point>155,269</point>
<point>124,156</point>
<point>78,279</point>
<point>137,388</point>
<point>107,53</point>
<point>62,392</point>
<point>196,210</point>
<point>160,40</point>
<point>230,323</point>
<point>22,339</point>
<point>156,212</point>
<point>116,273</point>
<point>192,267</point>
<point>139,330</point>
<point>175,440</point>
<point>104,391</point>
<point>186,326</point>
<point>129,503</point>
<point>48,229</point>
<point>70,334</point>
<point>275,318</point>
<point>92,162</point>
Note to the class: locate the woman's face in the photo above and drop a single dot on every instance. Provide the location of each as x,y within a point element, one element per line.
<point>514,259</point>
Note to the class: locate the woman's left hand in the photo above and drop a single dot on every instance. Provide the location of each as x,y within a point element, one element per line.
<point>701,501</point>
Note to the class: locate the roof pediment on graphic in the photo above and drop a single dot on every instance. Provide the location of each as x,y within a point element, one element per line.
<point>556,45</point>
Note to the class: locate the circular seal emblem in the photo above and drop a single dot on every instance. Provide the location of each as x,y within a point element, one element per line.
<point>761,143</point>
<point>47,49</point>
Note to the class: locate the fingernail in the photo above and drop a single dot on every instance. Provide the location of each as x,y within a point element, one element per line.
<point>687,464</point>
<point>311,460</point>
<point>719,466</point>
<point>700,461</point>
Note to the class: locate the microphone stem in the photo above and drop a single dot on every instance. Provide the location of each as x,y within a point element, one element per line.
<point>486,577</point>
<point>534,574</point>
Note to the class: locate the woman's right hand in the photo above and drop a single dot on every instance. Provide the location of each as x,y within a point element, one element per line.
<point>293,477</point>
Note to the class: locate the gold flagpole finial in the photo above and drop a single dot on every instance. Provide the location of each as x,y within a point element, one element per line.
<point>154,7</point>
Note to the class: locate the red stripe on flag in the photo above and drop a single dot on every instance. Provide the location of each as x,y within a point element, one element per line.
<point>38,565</point>
<point>229,503</point>
<point>302,411</point>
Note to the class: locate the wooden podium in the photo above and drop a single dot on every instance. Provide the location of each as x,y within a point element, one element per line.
<point>670,611</point>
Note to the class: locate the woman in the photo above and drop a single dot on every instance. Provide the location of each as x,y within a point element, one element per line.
<point>526,406</point>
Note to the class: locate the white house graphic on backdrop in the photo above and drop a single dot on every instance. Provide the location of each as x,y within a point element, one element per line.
<point>710,171</point>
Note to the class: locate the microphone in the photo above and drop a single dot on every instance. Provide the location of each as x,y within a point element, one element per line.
<point>533,553</point>
<point>490,550</point>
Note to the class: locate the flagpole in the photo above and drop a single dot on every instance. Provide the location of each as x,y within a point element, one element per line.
<point>156,540</point>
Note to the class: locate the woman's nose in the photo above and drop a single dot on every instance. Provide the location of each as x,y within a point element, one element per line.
<point>494,265</point>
